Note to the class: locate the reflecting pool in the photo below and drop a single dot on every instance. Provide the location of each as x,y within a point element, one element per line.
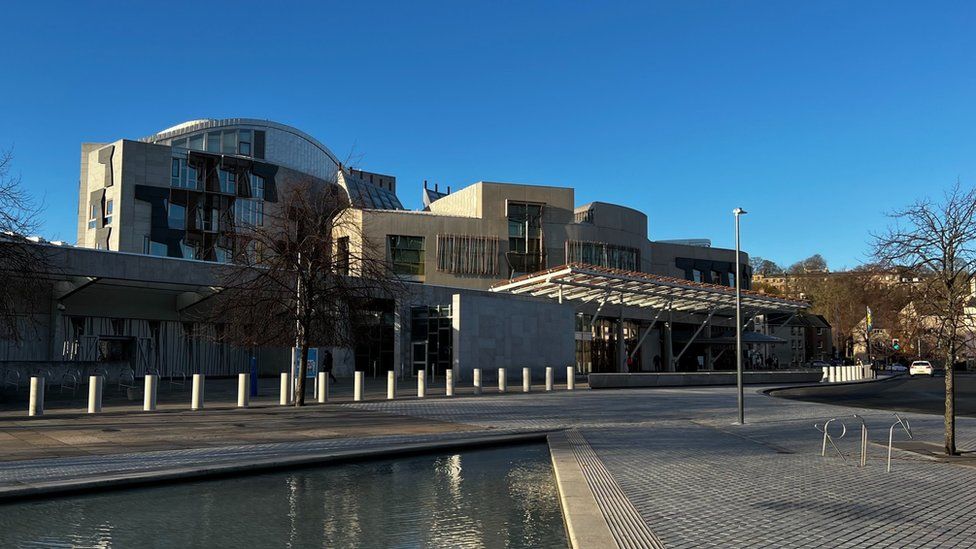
<point>499,497</point>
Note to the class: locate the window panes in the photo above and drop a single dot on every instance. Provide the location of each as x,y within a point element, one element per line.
<point>603,255</point>
<point>177,216</point>
<point>196,142</point>
<point>213,142</point>
<point>229,142</point>
<point>257,186</point>
<point>525,236</point>
<point>182,175</point>
<point>696,275</point>
<point>249,212</point>
<point>180,143</point>
<point>244,141</point>
<point>158,248</point>
<point>92,216</point>
<point>228,182</point>
<point>407,254</point>
<point>189,251</point>
<point>109,207</point>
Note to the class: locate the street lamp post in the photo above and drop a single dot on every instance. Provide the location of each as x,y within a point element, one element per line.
<point>738,318</point>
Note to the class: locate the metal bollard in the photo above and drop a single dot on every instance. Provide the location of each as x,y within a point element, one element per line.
<point>323,395</point>
<point>196,398</point>
<point>390,385</point>
<point>502,381</point>
<point>36,406</point>
<point>283,399</point>
<point>422,385</point>
<point>449,382</point>
<point>243,390</point>
<point>549,378</point>
<point>149,388</point>
<point>357,391</point>
<point>570,378</point>
<point>94,394</point>
<point>477,381</point>
<point>526,380</point>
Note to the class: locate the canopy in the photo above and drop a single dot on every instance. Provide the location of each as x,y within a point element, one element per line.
<point>585,283</point>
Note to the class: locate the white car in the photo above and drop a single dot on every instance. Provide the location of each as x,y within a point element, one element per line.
<point>920,367</point>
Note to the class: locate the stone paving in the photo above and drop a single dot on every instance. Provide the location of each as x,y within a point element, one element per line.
<point>694,478</point>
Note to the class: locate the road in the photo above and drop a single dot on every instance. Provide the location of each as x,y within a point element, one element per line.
<point>919,394</point>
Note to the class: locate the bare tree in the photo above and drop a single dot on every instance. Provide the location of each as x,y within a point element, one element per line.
<point>939,237</point>
<point>304,276</point>
<point>20,259</point>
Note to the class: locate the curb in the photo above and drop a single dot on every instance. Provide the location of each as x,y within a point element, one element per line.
<point>835,384</point>
<point>39,490</point>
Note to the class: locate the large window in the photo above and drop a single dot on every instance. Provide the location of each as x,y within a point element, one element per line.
<point>177,216</point>
<point>92,216</point>
<point>407,254</point>
<point>249,212</point>
<point>525,237</point>
<point>183,175</point>
<point>257,186</point>
<point>109,208</point>
<point>604,255</point>
<point>228,181</point>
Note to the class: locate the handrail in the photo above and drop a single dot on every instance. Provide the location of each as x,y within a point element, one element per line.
<point>891,433</point>
<point>827,438</point>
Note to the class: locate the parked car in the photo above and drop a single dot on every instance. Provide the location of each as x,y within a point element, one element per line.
<point>897,368</point>
<point>819,364</point>
<point>921,367</point>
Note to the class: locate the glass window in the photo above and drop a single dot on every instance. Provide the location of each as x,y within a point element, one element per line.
<point>92,216</point>
<point>179,143</point>
<point>716,277</point>
<point>196,142</point>
<point>696,275</point>
<point>213,142</point>
<point>249,212</point>
<point>525,237</point>
<point>177,216</point>
<point>222,255</point>
<point>228,182</point>
<point>407,254</point>
<point>732,279</point>
<point>189,251</point>
<point>229,142</point>
<point>257,186</point>
<point>192,176</point>
<point>158,248</point>
<point>244,142</point>
<point>109,207</point>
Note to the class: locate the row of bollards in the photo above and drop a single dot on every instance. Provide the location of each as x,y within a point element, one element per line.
<point>837,374</point>
<point>96,384</point>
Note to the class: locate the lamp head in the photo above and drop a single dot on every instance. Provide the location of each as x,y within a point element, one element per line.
<point>739,211</point>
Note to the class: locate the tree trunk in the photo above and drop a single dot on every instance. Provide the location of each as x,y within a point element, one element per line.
<point>302,372</point>
<point>950,404</point>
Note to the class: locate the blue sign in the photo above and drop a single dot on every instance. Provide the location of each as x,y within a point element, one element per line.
<point>312,368</point>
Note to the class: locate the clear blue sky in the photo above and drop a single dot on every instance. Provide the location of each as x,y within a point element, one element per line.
<point>815,116</point>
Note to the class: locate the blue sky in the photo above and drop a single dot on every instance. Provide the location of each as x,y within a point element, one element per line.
<point>817,117</point>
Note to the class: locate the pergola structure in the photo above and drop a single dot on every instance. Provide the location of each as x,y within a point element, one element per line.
<point>583,283</point>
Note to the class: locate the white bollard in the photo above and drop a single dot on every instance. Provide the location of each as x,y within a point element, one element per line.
<point>449,382</point>
<point>36,406</point>
<point>94,394</point>
<point>502,381</point>
<point>831,374</point>
<point>477,381</point>
<point>526,380</point>
<point>196,398</point>
<point>323,395</point>
<point>243,390</point>
<point>149,396</point>
<point>422,385</point>
<point>283,399</point>
<point>549,377</point>
<point>390,385</point>
<point>826,374</point>
<point>570,378</point>
<point>357,390</point>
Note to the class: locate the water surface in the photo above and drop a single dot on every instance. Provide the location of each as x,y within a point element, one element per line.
<point>501,497</point>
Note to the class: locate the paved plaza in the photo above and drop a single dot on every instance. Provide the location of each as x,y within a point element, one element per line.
<point>666,466</point>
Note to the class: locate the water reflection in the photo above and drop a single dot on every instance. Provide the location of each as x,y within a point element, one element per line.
<point>503,497</point>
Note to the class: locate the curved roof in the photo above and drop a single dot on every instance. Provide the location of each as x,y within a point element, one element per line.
<point>193,126</point>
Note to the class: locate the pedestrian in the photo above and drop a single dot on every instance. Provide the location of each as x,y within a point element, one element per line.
<point>327,365</point>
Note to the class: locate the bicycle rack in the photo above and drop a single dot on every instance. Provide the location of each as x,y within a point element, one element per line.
<point>891,434</point>
<point>864,440</point>
<point>827,438</point>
